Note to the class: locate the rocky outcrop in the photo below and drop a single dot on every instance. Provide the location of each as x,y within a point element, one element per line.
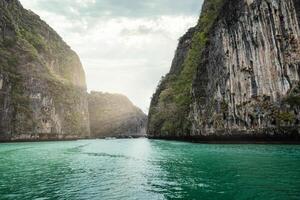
<point>113,115</point>
<point>42,83</point>
<point>240,77</point>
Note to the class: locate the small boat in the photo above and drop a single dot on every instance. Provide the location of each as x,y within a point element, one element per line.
<point>110,138</point>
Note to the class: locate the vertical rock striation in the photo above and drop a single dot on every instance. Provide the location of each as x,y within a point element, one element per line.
<point>42,83</point>
<point>245,74</point>
<point>113,115</point>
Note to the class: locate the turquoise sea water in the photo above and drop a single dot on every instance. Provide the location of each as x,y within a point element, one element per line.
<point>147,169</point>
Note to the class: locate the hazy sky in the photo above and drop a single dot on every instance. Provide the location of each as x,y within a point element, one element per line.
<point>125,45</point>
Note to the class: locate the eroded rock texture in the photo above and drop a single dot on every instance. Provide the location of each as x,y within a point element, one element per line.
<point>113,115</point>
<point>245,82</point>
<point>42,82</point>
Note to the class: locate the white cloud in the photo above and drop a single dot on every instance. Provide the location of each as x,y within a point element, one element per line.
<point>85,2</point>
<point>120,54</point>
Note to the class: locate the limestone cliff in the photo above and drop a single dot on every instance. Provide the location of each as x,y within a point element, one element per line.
<point>238,78</point>
<point>42,82</point>
<point>113,115</point>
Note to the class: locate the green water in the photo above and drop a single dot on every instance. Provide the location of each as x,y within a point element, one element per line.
<point>145,169</point>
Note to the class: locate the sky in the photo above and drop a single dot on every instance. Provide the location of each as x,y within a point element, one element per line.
<point>125,46</point>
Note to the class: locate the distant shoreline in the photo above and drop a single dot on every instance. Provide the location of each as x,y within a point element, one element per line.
<point>9,140</point>
<point>193,141</point>
<point>292,138</point>
<point>189,140</point>
<point>232,139</point>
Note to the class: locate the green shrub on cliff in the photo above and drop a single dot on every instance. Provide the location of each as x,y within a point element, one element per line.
<point>286,117</point>
<point>293,100</point>
<point>8,43</point>
<point>34,39</point>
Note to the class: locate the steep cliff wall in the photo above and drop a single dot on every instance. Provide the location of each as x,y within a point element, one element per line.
<point>170,105</point>
<point>163,109</point>
<point>245,74</point>
<point>42,82</point>
<point>113,115</point>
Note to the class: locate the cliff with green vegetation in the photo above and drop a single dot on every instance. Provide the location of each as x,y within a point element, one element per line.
<point>42,83</point>
<point>113,115</point>
<point>235,76</point>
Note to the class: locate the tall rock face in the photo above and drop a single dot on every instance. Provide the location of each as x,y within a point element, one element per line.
<point>113,115</point>
<point>42,82</point>
<point>239,78</point>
